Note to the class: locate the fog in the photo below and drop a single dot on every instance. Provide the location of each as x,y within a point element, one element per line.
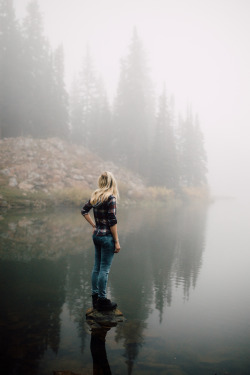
<point>148,88</point>
<point>198,48</point>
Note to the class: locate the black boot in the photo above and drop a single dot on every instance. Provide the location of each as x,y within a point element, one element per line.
<point>94,300</point>
<point>104,304</point>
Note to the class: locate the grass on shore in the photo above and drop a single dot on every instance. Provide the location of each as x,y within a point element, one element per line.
<point>15,198</point>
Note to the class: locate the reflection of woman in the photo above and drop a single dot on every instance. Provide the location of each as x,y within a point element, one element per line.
<point>105,236</point>
<point>98,351</point>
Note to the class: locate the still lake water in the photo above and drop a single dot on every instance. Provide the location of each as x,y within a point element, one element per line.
<point>182,281</point>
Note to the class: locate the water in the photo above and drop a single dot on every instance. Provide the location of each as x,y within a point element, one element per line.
<point>181,280</point>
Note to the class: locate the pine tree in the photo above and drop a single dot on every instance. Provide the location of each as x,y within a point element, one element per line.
<point>133,113</point>
<point>88,91</point>
<point>201,159</point>
<point>101,136</point>
<point>83,102</point>
<point>38,70</point>
<point>191,152</point>
<point>76,113</point>
<point>164,167</point>
<point>10,75</point>
<point>60,96</point>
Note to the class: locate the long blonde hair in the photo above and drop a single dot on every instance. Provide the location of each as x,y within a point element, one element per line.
<point>107,186</point>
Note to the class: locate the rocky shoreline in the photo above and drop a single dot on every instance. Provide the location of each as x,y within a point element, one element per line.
<point>36,173</point>
<point>41,171</point>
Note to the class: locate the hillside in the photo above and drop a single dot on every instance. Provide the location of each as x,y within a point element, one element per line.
<point>33,170</point>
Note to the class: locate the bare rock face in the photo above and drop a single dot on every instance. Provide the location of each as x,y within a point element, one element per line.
<point>52,164</point>
<point>98,319</point>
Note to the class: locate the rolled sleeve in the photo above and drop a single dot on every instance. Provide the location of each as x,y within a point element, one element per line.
<point>86,208</point>
<point>112,211</point>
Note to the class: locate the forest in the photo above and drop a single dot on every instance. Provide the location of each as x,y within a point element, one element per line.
<point>136,129</point>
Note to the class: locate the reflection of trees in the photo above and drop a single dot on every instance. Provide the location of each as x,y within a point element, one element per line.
<point>160,249</point>
<point>32,295</point>
<point>176,251</point>
<point>43,235</point>
<point>190,246</point>
<point>166,250</point>
<point>78,288</point>
<point>162,256</point>
<point>131,284</point>
<point>132,335</point>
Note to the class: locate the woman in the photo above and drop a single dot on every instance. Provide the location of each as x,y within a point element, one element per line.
<point>105,237</point>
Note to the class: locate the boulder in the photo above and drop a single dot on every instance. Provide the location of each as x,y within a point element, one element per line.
<point>97,319</point>
<point>13,182</point>
<point>25,185</point>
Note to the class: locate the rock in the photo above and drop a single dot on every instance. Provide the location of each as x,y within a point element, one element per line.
<point>57,143</point>
<point>24,222</point>
<point>89,178</point>
<point>12,226</point>
<point>3,203</point>
<point>78,177</point>
<point>33,175</point>
<point>64,373</point>
<point>6,172</point>
<point>13,182</point>
<point>96,319</point>
<point>25,185</point>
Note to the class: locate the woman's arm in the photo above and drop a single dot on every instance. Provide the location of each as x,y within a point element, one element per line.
<point>89,220</point>
<point>116,239</point>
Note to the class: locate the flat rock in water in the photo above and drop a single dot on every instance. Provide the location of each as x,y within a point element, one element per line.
<point>98,319</point>
<point>64,373</point>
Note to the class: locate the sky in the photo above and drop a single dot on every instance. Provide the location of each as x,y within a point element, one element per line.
<point>199,48</point>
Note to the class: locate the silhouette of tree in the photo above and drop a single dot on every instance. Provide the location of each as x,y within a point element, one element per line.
<point>60,97</point>
<point>84,95</point>
<point>192,155</point>
<point>134,109</point>
<point>38,74</point>
<point>164,166</point>
<point>10,72</point>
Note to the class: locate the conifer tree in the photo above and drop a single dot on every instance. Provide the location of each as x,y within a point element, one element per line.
<point>133,112</point>
<point>10,74</point>
<point>191,152</point>
<point>37,61</point>
<point>88,91</point>
<point>60,96</point>
<point>201,159</point>
<point>83,101</point>
<point>164,168</point>
<point>76,113</point>
<point>101,135</point>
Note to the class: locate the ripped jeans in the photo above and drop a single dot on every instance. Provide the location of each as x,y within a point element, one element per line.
<point>104,253</point>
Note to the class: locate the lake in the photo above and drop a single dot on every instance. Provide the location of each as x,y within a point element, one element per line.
<point>181,280</point>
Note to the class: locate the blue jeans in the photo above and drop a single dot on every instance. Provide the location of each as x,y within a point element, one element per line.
<point>104,253</point>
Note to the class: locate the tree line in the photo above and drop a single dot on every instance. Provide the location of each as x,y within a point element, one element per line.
<point>139,131</point>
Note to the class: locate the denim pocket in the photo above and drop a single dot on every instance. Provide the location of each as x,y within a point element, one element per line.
<point>108,242</point>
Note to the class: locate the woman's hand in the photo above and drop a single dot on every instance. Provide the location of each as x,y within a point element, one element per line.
<point>90,221</point>
<point>117,247</point>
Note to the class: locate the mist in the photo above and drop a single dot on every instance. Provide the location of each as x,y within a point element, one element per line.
<point>197,48</point>
<point>157,92</point>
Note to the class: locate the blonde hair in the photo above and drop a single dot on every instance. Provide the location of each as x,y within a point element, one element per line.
<point>107,186</point>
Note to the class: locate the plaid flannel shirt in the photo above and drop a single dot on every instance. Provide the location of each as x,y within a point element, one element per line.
<point>104,213</point>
